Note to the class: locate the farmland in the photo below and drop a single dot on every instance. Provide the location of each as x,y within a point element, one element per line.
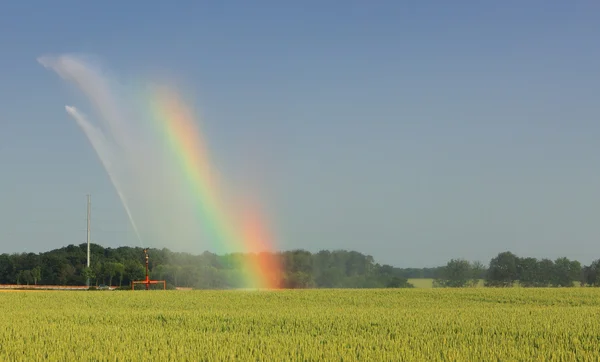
<point>428,282</point>
<point>405,324</point>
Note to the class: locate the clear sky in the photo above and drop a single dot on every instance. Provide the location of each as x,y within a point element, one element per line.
<point>414,132</point>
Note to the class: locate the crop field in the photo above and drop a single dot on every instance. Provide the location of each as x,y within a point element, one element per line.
<point>428,283</point>
<point>476,324</point>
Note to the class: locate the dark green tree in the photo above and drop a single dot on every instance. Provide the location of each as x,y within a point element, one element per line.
<point>591,274</point>
<point>502,271</point>
<point>566,272</point>
<point>528,272</point>
<point>88,275</point>
<point>456,274</point>
<point>110,270</point>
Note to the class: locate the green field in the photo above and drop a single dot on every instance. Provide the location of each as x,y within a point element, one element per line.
<point>421,283</point>
<point>428,283</point>
<point>478,324</point>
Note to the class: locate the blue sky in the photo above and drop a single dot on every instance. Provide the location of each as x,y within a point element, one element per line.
<point>413,132</point>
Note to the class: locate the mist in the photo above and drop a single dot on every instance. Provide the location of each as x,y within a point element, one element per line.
<point>132,151</point>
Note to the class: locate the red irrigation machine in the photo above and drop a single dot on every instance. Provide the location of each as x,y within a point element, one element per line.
<point>147,282</point>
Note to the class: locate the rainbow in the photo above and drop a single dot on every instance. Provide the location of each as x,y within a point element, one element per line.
<point>175,121</point>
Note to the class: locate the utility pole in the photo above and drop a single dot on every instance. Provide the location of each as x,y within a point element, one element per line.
<point>89,215</point>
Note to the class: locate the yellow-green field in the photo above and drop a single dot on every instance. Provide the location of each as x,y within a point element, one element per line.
<point>428,283</point>
<point>475,324</point>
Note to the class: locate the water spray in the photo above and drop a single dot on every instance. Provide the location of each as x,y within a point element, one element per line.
<point>128,140</point>
<point>107,157</point>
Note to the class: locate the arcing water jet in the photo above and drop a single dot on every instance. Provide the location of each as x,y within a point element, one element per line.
<point>151,147</point>
<point>104,151</point>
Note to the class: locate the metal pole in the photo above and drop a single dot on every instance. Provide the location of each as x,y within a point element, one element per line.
<point>89,215</point>
<point>147,277</point>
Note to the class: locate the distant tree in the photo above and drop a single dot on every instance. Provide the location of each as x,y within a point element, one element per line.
<point>584,275</point>
<point>26,276</point>
<point>330,277</point>
<point>456,274</point>
<point>591,274</point>
<point>98,269</point>
<point>528,272</point>
<point>575,271</point>
<point>565,272</point>
<point>298,280</point>
<point>399,282</point>
<point>88,274</point>
<point>477,273</point>
<point>299,269</point>
<point>134,270</point>
<point>67,271</point>
<point>36,274</point>
<point>545,273</point>
<point>298,261</point>
<point>298,265</point>
<point>172,274</point>
<point>502,271</point>
<point>110,270</point>
<point>120,270</point>
<point>7,270</point>
<point>209,277</point>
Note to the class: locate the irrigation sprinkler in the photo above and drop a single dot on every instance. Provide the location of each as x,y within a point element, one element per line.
<point>147,282</point>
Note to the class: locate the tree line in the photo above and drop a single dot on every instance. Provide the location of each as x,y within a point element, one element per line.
<point>507,270</point>
<point>120,266</point>
<point>300,269</point>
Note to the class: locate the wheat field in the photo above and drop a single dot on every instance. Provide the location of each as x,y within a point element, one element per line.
<point>473,324</point>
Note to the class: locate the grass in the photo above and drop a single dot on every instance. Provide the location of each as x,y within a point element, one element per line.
<point>421,282</point>
<point>310,325</point>
<point>428,283</point>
